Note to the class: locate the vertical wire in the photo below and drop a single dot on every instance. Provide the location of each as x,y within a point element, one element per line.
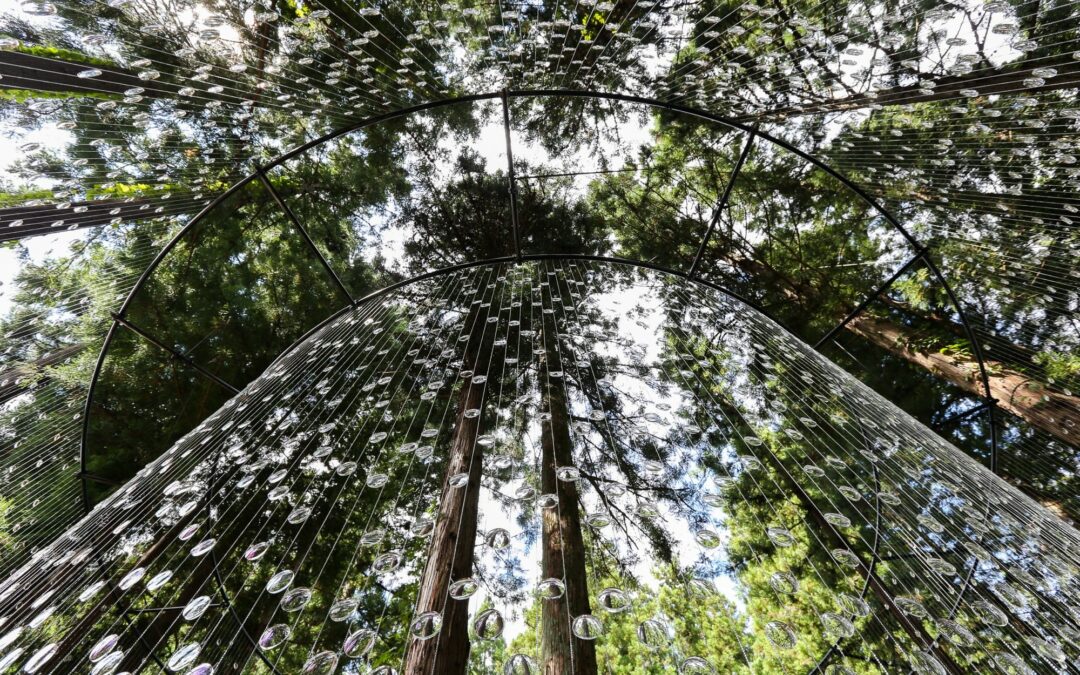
<point>432,345</point>
<point>178,554</point>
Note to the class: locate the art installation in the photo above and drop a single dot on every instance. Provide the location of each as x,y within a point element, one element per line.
<point>551,337</point>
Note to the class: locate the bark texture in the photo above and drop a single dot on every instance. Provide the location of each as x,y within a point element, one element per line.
<point>19,379</point>
<point>41,73</point>
<point>563,547</point>
<point>17,222</point>
<point>986,81</point>
<point>1049,410</point>
<point>450,554</point>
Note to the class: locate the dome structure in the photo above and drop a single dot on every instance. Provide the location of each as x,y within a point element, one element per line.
<point>528,337</point>
<point>574,464</point>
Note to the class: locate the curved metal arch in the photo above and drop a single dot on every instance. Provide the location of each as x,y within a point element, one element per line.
<point>731,123</point>
<point>870,576</point>
<point>751,131</point>
<point>870,580</point>
<point>525,257</point>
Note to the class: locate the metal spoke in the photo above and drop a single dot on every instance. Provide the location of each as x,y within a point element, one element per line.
<point>959,417</point>
<point>94,478</point>
<point>307,237</point>
<point>511,180</point>
<point>227,601</point>
<point>179,356</point>
<point>870,298</point>
<point>722,204</point>
<point>158,610</point>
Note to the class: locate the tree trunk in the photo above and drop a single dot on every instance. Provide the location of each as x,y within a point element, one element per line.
<point>166,622</point>
<point>563,547</point>
<point>29,71</point>
<point>47,219</point>
<point>112,598</point>
<point>450,554</point>
<point>1051,411</point>
<point>18,379</point>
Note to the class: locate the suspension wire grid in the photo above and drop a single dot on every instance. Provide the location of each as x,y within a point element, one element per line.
<point>191,187</point>
<point>581,466</point>
<point>43,397</point>
<point>882,72</point>
<point>1008,384</point>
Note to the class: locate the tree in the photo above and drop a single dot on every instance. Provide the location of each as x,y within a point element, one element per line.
<point>798,242</point>
<point>450,553</point>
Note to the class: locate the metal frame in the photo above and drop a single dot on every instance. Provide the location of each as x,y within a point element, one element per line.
<point>176,354</point>
<point>869,299</point>
<point>505,95</point>
<point>304,233</point>
<point>526,257</point>
<point>871,580</point>
<point>922,253</point>
<point>227,601</point>
<point>722,204</point>
<point>510,177</point>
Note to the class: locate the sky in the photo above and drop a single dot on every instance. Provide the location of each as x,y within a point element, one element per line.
<point>38,248</point>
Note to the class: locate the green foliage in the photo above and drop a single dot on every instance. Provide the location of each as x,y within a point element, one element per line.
<point>9,199</point>
<point>1059,365</point>
<point>64,54</point>
<point>25,96</point>
<point>914,288</point>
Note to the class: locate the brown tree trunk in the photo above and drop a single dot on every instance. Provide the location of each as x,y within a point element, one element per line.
<point>18,379</point>
<point>47,219</point>
<point>166,622</point>
<point>1051,411</point>
<point>113,597</point>
<point>41,73</point>
<point>450,554</point>
<point>563,547</point>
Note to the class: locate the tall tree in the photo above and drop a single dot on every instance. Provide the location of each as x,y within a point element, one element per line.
<point>563,554</point>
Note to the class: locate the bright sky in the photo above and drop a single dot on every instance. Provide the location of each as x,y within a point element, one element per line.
<point>39,248</point>
<point>645,333</point>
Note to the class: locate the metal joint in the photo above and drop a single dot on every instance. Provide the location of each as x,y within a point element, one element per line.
<point>176,354</point>
<point>304,233</point>
<point>722,204</point>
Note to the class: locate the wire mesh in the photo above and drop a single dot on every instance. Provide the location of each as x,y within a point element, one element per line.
<point>555,464</point>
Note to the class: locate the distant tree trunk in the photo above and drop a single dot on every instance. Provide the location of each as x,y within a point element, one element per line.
<point>112,598</point>
<point>450,554</point>
<point>165,622</point>
<point>1051,411</point>
<point>29,71</point>
<point>47,219</point>
<point>563,547</point>
<point>17,380</point>
<point>162,627</point>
